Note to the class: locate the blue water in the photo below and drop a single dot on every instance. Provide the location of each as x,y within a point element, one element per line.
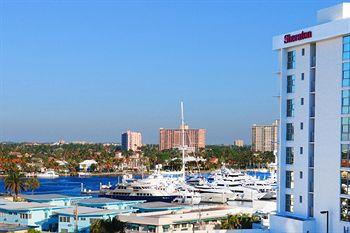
<point>70,185</point>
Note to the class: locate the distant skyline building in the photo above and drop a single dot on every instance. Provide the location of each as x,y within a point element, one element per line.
<point>314,152</point>
<point>238,142</point>
<point>171,138</point>
<point>131,140</point>
<point>265,137</point>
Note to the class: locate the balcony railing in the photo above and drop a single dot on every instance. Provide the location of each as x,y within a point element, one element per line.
<point>312,86</point>
<point>312,111</point>
<point>313,62</point>
<point>312,137</point>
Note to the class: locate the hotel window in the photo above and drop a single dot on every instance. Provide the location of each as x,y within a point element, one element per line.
<point>345,209</point>
<point>345,155</point>
<point>301,175</point>
<point>301,150</point>
<point>289,203</point>
<point>291,60</point>
<point>345,182</point>
<point>345,128</point>
<point>345,102</point>
<point>64,219</point>
<point>302,76</point>
<point>290,108</point>
<point>346,48</point>
<point>302,52</point>
<point>289,132</point>
<point>302,101</point>
<point>301,125</point>
<point>290,84</point>
<point>289,179</point>
<point>25,216</point>
<point>289,155</point>
<point>346,74</point>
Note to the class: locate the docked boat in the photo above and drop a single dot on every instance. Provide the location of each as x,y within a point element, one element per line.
<point>49,174</point>
<point>159,186</point>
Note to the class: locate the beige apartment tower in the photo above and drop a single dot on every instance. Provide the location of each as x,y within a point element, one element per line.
<point>131,140</point>
<point>265,137</point>
<point>238,143</point>
<point>171,138</point>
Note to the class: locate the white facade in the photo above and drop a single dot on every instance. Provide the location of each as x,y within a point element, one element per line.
<point>311,65</point>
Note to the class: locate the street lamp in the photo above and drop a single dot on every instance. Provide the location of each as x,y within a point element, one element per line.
<point>327,214</point>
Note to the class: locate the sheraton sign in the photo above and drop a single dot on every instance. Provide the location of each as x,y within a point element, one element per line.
<point>301,36</point>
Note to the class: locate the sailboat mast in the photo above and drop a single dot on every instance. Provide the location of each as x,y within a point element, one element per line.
<point>183,139</point>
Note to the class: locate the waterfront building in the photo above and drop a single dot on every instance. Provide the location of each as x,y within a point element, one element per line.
<point>131,141</point>
<point>79,218</point>
<point>189,220</point>
<point>265,137</point>
<point>53,199</point>
<point>86,165</point>
<point>238,143</point>
<point>172,138</point>
<point>314,150</point>
<point>159,206</point>
<point>35,215</point>
<point>111,204</point>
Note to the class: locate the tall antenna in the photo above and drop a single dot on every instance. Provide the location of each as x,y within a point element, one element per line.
<point>183,139</point>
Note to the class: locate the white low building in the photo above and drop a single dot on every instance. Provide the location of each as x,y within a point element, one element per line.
<point>195,219</point>
<point>86,164</point>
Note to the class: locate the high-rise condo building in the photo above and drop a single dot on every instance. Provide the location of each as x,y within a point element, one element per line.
<point>314,150</point>
<point>238,142</point>
<point>265,137</point>
<point>131,140</point>
<point>171,138</point>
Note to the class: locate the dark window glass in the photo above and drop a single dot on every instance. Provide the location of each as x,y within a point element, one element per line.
<point>290,108</point>
<point>289,132</point>
<point>291,60</point>
<point>289,155</point>
<point>289,203</point>
<point>290,84</point>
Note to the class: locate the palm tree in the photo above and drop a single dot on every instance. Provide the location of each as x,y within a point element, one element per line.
<point>32,184</point>
<point>239,221</point>
<point>108,226</point>
<point>15,182</point>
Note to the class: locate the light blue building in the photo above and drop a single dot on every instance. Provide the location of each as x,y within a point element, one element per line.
<point>34,215</point>
<point>111,204</point>
<point>54,199</point>
<point>68,223</point>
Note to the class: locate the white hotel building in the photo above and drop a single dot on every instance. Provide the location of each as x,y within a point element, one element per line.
<point>314,152</point>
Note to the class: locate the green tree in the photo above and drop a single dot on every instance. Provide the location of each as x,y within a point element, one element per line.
<point>31,230</point>
<point>108,226</point>
<point>32,184</point>
<point>15,182</point>
<point>239,221</point>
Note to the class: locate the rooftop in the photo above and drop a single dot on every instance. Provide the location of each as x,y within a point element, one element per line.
<point>103,200</point>
<point>152,206</point>
<point>88,211</point>
<point>340,11</point>
<point>21,206</point>
<point>50,197</point>
<point>11,227</point>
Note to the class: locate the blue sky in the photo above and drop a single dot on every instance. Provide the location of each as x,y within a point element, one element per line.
<point>88,70</point>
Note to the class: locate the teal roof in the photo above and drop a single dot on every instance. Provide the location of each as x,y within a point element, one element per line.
<point>51,197</point>
<point>89,212</point>
<point>98,202</point>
